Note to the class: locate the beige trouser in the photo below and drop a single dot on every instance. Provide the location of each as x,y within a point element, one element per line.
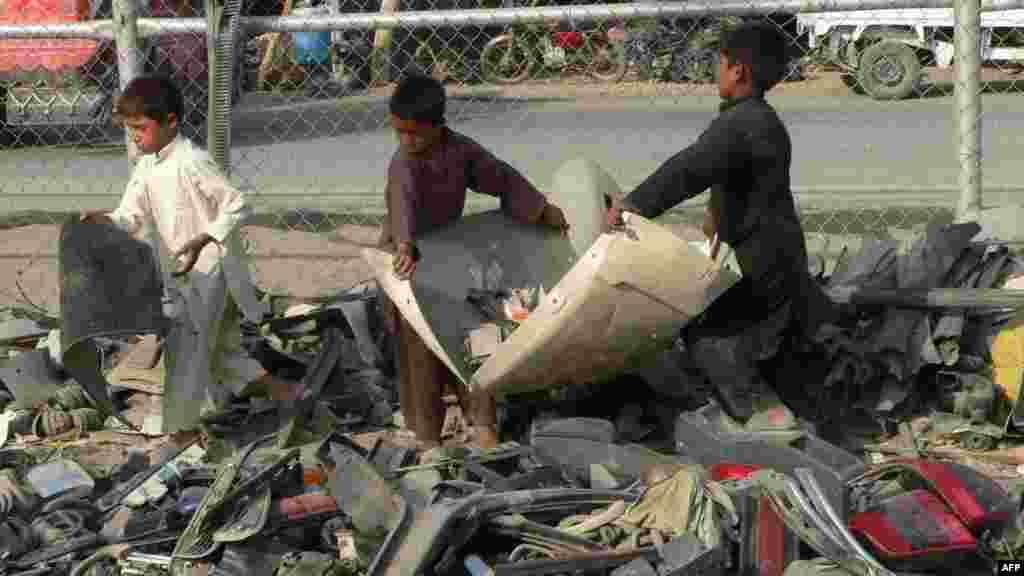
<point>423,380</point>
<point>204,376</point>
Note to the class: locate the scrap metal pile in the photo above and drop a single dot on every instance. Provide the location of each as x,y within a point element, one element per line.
<point>574,500</point>
<point>934,332</point>
<point>330,488</point>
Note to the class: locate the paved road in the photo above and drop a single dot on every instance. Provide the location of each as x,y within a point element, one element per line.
<point>849,151</point>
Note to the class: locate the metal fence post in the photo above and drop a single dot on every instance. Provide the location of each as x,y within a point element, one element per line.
<point>214,13</point>
<point>129,58</point>
<point>221,33</point>
<point>967,102</point>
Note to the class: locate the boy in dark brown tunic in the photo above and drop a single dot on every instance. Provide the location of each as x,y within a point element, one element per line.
<point>426,190</point>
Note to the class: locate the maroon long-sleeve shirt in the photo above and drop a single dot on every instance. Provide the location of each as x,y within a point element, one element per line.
<point>427,193</point>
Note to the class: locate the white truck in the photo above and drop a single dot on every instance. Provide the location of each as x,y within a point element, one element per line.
<point>884,52</point>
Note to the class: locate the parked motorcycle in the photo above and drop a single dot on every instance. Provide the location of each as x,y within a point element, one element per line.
<point>655,52</point>
<point>682,52</point>
<point>514,57</point>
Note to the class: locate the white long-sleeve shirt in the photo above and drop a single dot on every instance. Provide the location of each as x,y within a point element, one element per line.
<point>174,196</point>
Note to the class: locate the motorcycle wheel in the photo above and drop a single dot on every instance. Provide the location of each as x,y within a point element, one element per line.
<point>506,60</point>
<point>607,61</point>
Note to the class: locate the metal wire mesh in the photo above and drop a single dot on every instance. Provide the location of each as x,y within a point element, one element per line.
<point>867,99</point>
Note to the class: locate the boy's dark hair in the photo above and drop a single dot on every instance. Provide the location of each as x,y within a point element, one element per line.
<point>154,97</point>
<point>420,99</point>
<point>762,47</point>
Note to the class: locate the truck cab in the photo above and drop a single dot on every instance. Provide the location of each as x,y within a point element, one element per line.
<point>884,52</point>
<point>63,89</point>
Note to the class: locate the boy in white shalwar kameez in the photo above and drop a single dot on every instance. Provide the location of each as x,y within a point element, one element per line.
<point>180,201</point>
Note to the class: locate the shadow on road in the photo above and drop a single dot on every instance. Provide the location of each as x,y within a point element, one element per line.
<point>260,125</point>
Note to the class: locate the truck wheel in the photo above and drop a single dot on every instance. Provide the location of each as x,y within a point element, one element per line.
<point>889,70</point>
<point>852,82</point>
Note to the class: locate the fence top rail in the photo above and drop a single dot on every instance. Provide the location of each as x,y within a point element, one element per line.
<point>105,29</point>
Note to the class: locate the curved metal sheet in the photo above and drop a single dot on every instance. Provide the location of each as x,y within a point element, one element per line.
<point>110,285</point>
<point>453,260</point>
<point>600,311</point>
<point>626,298</point>
<point>579,187</point>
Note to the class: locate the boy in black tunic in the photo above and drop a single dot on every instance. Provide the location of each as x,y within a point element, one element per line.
<point>744,157</point>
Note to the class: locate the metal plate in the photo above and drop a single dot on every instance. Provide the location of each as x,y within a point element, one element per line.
<point>599,312</point>
<point>434,302</point>
<point>31,377</point>
<point>110,285</point>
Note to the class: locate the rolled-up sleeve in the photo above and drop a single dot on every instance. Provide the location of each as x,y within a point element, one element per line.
<point>487,174</point>
<point>401,200</point>
<point>133,213</point>
<point>230,207</point>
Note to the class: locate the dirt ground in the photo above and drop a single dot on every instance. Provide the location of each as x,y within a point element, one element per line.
<point>300,264</point>
<point>286,262</point>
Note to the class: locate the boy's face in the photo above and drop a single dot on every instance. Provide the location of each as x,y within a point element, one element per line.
<point>149,135</point>
<point>416,138</point>
<point>731,77</point>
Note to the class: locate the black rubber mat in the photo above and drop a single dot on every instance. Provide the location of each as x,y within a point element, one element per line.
<point>110,286</point>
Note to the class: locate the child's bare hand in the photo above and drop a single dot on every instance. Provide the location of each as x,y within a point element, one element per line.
<point>716,245</point>
<point>404,262</point>
<point>614,216</point>
<point>94,216</point>
<point>553,217</point>
<point>710,225</point>
<point>188,254</point>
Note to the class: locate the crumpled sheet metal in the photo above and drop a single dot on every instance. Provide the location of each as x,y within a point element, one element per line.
<point>457,258</point>
<point>873,266</point>
<point>922,262</point>
<point>110,285</point>
<point>608,312</point>
<point>600,311</point>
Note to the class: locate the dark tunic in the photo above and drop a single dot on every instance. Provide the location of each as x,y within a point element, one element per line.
<point>424,194</point>
<point>744,156</point>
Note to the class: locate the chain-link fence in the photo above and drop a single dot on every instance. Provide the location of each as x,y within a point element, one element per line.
<point>298,105</point>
